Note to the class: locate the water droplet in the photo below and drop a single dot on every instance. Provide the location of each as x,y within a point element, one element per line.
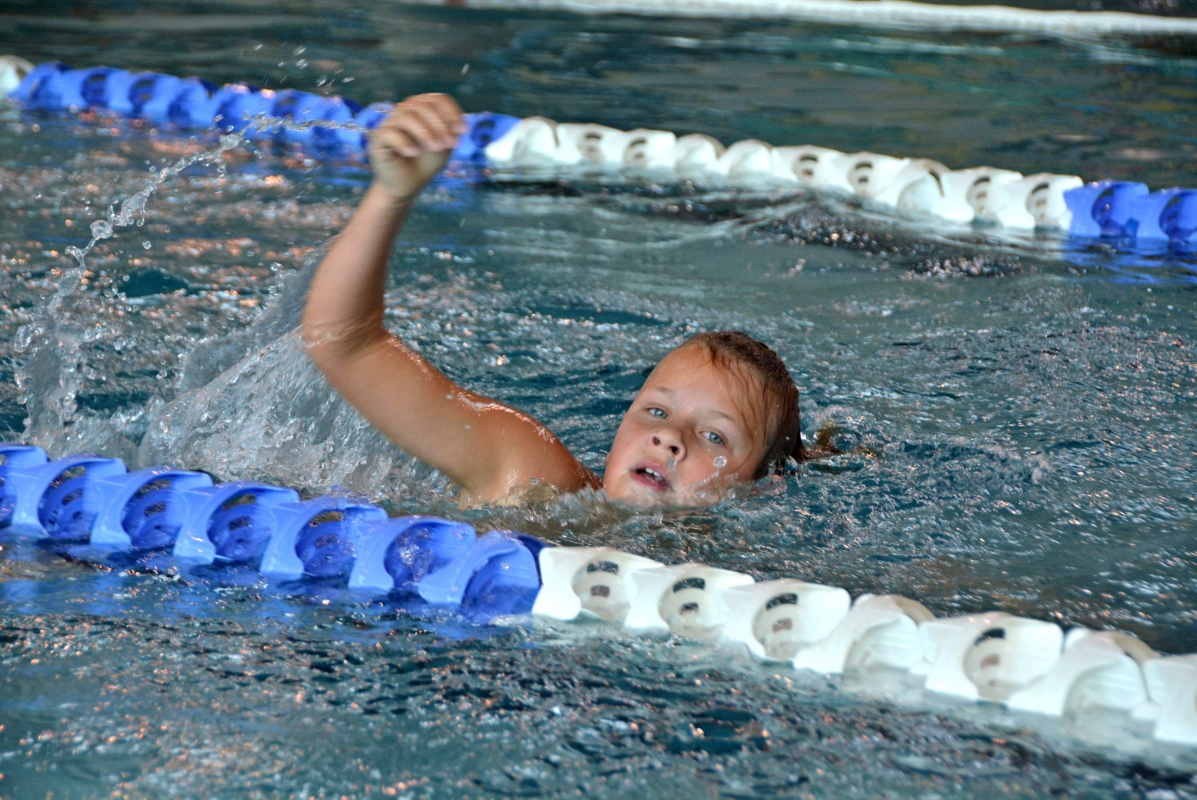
<point>720,461</point>
<point>146,245</point>
<point>302,63</point>
<point>671,463</point>
<point>300,50</point>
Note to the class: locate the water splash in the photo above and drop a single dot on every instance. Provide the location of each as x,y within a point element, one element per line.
<point>132,211</point>
<point>51,367</point>
<point>292,428</point>
<point>720,462</point>
<point>49,359</point>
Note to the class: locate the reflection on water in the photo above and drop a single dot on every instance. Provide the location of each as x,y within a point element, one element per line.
<point>1014,419</point>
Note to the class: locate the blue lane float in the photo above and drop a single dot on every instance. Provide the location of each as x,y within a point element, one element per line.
<point>95,500</point>
<point>196,104</point>
<point>231,522</point>
<point>143,509</point>
<point>59,499</point>
<point>400,555</point>
<point>1124,210</point>
<point>1123,213</point>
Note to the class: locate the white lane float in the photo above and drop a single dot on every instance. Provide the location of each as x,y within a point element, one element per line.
<point>1035,201</point>
<point>987,656</point>
<point>686,600</point>
<point>12,71</point>
<point>1025,664</point>
<point>649,149</point>
<point>595,145</point>
<point>695,153</point>
<point>974,194</point>
<point>1096,669</point>
<point>1172,682</point>
<point>811,166</point>
<point>531,142</point>
<point>776,619</point>
<point>588,581</point>
<point>878,631</point>
<point>868,175</point>
<point>749,161</point>
<point>916,186</point>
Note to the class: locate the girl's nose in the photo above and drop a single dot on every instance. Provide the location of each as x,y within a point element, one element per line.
<point>672,443</point>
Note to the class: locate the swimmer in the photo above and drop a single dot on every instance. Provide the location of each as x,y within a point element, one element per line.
<point>720,409</point>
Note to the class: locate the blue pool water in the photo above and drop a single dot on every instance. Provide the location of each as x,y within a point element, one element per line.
<point>1015,414</point>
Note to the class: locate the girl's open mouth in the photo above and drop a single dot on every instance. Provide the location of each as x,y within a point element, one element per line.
<point>651,475</point>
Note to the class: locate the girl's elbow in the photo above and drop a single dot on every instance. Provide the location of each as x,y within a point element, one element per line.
<point>326,345</point>
<point>329,343</point>
<point>315,340</point>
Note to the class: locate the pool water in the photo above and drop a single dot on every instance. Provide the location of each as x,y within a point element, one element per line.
<point>1014,411</point>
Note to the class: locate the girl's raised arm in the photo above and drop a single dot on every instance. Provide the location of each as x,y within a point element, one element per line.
<point>490,450</point>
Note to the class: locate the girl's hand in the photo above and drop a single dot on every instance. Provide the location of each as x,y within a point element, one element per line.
<point>414,142</point>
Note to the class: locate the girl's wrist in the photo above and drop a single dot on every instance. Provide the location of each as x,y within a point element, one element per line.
<point>380,192</point>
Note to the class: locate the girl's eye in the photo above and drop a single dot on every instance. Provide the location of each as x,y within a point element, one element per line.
<point>653,411</point>
<point>713,437</point>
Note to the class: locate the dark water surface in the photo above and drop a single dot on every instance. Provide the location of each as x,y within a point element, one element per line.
<point>1016,413</point>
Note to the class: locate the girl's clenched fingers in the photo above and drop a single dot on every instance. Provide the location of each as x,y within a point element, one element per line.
<point>446,107</point>
<point>435,123</point>
<point>410,124</point>
<point>396,140</point>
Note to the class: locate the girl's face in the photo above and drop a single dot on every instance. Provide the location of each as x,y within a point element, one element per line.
<point>690,433</point>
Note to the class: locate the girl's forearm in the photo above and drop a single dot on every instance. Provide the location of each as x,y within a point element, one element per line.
<point>345,302</point>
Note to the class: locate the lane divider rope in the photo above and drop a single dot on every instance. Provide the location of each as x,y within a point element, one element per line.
<point>1122,212</point>
<point>868,13</point>
<point>1026,664</point>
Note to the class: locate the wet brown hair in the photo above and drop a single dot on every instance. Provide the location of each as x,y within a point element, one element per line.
<point>778,407</point>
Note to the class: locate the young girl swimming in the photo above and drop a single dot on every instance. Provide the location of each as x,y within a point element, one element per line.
<point>719,409</point>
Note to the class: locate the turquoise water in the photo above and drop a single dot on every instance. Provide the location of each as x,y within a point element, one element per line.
<point>1015,414</point>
